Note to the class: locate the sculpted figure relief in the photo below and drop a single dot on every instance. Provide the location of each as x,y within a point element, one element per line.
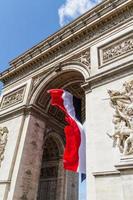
<point>3,141</point>
<point>84,58</point>
<point>122,102</point>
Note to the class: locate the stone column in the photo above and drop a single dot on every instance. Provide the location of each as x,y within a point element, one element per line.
<point>71,185</point>
<point>60,193</point>
<point>9,147</point>
<point>29,160</point>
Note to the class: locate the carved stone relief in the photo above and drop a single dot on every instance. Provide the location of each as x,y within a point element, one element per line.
<point>83,58</point>
<point>122,103</point>
<point>36,80</point>
<point>3,141</point>
<point>13,98</point>
<point>114,51</point>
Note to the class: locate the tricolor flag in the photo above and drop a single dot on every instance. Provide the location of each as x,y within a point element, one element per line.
<point>74,158</point>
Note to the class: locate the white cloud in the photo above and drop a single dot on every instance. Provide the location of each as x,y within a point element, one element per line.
<point>73,8</point>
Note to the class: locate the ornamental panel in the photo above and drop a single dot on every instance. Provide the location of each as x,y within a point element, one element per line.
<point>117,49</point>
<point>13,98</point>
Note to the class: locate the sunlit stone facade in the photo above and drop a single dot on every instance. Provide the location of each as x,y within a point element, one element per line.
<point>89,57</point>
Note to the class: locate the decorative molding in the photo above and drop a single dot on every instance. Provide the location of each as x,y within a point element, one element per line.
<point>65,47</point>
<point>39,77</point>
<point>122,103</point>
<point>126,163</point>
<point>83,58</point>
<point>36,80</point>
<point>106,173</point>
<point>108,75</point>
<point>121,47</point>
<point>13,98</point>
<point>3,141</point>
<point>3,182</point>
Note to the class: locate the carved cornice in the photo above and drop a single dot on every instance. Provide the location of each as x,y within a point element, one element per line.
<point>92,15</point>
<point>30,110</point>
<point>23,111</point>
<point>88,27</point>
<point>125,163</point>
<point>5,182</point>
<point>106,173</point>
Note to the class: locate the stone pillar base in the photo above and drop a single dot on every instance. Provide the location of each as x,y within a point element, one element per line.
<point>126,174</point>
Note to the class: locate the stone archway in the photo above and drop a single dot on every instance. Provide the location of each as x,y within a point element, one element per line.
<point>52,176</point>
<point>55,183</point>
<point>41,124</point>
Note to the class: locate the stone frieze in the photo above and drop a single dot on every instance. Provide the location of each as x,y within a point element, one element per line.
<point>13,98</point>
<point>118,49</point>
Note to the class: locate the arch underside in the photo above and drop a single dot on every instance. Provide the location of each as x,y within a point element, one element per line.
<point>70,81</point>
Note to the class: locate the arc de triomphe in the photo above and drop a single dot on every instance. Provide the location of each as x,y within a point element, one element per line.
<point>92,58</point>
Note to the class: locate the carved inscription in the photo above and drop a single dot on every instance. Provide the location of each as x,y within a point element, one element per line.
<point>118,49</point>
<point>13,98</point>
<point>122,103</point>
<point>3,141</point>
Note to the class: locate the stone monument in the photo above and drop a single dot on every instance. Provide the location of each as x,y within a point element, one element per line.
<point>92,58</point>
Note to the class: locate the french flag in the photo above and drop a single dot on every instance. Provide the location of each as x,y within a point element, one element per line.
<point>74,157</point>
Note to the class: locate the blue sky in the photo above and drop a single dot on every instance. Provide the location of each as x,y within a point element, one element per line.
<point>24,23</point>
